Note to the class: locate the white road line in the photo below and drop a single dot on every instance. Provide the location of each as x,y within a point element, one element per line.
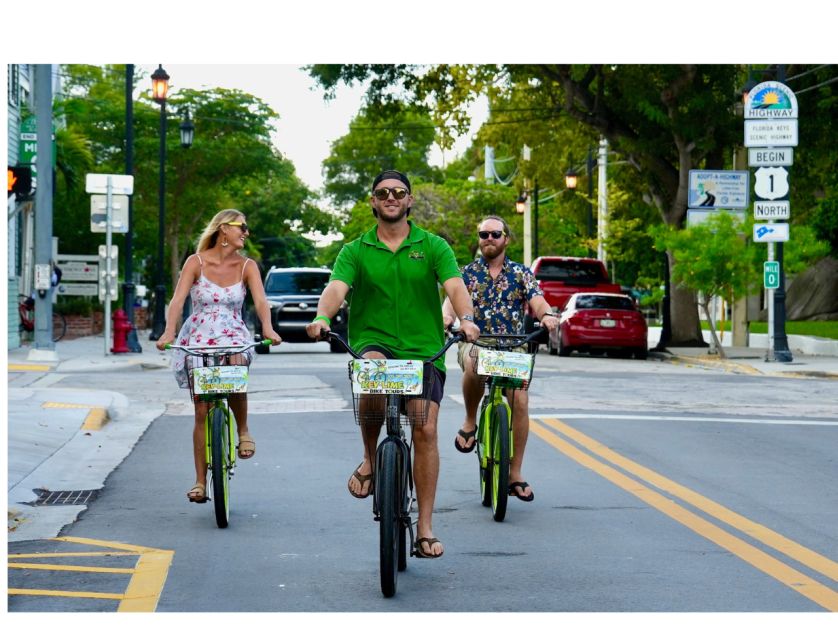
<point>619,416</point>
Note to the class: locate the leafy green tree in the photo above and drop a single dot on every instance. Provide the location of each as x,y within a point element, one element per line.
<point>375,143</point>
<point>664,119</point>
<point>231,164</point>
<point>714,259</point>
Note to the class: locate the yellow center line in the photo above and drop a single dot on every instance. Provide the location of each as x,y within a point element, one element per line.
<point>74,554</point>
<point>785,574</point>
<point>66,567</point>
<point>793,550</point>
<point>29,367</point>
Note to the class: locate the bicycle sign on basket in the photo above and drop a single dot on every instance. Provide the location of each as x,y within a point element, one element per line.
<point>379,377</point>
<point>220,379</point>
<point>513,366</point>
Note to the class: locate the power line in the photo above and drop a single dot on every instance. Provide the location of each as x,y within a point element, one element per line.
<point>822,84</point>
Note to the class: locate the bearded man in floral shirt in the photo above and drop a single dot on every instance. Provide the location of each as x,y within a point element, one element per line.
<point>500,291</point>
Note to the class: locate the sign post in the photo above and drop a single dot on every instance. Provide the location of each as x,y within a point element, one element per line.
<point>771,114</point>
<point>110,186</point>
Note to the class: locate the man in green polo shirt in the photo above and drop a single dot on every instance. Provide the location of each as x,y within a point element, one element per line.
<point>393,271</point>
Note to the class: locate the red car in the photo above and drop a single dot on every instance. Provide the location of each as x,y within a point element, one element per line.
<point>600,322</point>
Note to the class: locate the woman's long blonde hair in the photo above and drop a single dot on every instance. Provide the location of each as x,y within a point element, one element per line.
<point>210,234</point>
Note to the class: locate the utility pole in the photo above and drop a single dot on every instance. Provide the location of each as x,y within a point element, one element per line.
<point>44,346</point>
<point>602,201</point>
<point>128,286</point>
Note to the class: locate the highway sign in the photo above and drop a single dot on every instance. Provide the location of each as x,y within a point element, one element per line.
<point>771,232</point>
<point>771,133</point>
<point>773,157</point>
<point>771,183</point>
<point>771,100</point>
<point>718,189</point>
<point>771,274</point>
<point>772,210</point>
<point>120,184</point>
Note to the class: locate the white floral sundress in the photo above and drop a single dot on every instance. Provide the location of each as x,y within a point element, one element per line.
<point>216,320</point>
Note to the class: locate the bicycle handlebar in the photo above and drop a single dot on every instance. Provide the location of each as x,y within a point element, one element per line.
<point>515,339</point>
<point>329,335</point>
<point>214,349</point>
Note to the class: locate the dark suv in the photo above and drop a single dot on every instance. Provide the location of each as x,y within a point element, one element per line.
<point>293,294</point>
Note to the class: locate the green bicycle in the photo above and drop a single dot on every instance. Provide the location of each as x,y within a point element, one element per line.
<point>504,372</point>
<point>213,379</point>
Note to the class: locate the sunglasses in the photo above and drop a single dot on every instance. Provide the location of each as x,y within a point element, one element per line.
<point>243,226</point>
<point>384,192</point>
<point>484,235</point>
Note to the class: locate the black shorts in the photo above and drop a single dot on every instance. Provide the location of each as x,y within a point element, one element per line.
<point>433,377</point>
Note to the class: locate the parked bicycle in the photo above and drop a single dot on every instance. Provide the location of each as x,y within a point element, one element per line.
<point>406,385</point>
<point>505,372</point>
<point>26,310</point>
<point>212,379</point>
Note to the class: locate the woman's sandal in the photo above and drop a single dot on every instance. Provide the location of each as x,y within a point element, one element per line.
<point>198,493</point>
<point>246,448</point>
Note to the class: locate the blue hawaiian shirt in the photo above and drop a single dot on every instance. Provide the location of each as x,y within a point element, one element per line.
<point>499,304</point>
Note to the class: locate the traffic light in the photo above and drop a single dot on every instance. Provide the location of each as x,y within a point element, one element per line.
<point>19,181</point>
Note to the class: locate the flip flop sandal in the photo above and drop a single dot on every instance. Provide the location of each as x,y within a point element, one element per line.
<point>198,493</point>
<point>362,479</point>
<point>430,542</point>
<point>523,486</point>
<point>244,449</point>
<point>465,435</point>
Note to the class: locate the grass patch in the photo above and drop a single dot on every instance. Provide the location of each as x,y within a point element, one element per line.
<point>817,328</point>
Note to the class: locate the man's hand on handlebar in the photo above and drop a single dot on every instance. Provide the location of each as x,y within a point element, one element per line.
<point>317,330</point>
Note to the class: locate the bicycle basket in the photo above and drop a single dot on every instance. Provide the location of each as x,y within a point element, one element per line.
<point>372,380</point>
<point>508,369</point>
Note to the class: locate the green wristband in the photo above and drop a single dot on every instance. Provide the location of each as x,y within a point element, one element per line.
<point>324,318</point>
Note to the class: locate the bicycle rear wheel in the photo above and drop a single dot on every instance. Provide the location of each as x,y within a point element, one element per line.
<point>219,433</point>
<point>59,326</point>
<point>500,461</point>
<point>388,496</point>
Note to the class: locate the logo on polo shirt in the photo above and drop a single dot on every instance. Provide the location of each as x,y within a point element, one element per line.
<point>417,255</point>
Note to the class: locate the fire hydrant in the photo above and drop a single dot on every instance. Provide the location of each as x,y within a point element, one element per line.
<point>121,327</point>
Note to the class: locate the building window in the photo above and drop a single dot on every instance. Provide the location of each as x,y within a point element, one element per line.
<point>14,84</point>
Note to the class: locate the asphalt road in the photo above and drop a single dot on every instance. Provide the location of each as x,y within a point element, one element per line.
<point>658,489</point>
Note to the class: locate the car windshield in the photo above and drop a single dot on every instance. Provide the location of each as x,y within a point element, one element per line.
<point>604,302</point>
<point>305,282</point>
<point>570,272</point>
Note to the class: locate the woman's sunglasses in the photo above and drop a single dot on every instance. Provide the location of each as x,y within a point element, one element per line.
<point>384,192</point>
<point>243,226</point>
<point>497,235</point>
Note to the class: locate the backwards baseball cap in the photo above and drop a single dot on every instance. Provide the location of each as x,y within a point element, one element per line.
<point>391,174</point>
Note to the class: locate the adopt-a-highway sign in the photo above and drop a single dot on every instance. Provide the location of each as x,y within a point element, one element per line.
<point>718,189</point>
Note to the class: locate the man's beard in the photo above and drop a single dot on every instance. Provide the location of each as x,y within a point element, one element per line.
<point>384,214</point>
<point>491,250</point>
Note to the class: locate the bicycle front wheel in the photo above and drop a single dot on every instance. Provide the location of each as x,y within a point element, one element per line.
<point>500,461</point>
<point>219,433</point>
<point>389,515</point>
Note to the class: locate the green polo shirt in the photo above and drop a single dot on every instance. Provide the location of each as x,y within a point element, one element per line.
<point>394,299</point>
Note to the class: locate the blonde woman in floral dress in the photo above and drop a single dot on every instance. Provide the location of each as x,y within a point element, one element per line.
<point>217,277</point>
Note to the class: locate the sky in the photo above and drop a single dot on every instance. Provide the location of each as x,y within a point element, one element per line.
<point>308,124</point>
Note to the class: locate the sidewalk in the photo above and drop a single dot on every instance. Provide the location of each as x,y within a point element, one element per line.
<point>812,357</point>
<point>63,442</point>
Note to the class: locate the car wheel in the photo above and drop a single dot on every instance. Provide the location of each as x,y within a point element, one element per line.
<point>641,353</point>
<point>563,350</point>
<point>263,349</point>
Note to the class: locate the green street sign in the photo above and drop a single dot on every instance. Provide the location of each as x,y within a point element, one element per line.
<point>771,274</point>
<point>28,150</point>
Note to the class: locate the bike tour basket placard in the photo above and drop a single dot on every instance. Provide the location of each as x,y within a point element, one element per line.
<point>505,364</point>
<point>220,379</point>
<point>387,376</point>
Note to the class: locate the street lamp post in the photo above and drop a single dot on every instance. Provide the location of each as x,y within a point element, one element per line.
<point>160,87</point>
